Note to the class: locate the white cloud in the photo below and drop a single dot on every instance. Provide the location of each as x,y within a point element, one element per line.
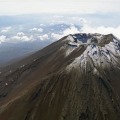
<point>36,30</point>
<point>73,24</point>
<point>87,28</point>
<point>2,39</point>
<point>84,25</point>
<point>5,30</point>
<point>21,37</point>
<point>20,34</point>
<point>101,29</point>
<point>68,20</point>
<point>42,25</point>
<point>71,30</point>
<point>43,37</point>
<point>18,38</point>
<point>55,36</point>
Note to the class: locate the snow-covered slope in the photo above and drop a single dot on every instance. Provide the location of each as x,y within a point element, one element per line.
<point>101,50</point>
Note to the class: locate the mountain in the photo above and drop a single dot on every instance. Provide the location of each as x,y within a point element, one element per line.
<point>75,78</point>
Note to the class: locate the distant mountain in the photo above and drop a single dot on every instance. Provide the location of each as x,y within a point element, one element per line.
<point>75,78</point>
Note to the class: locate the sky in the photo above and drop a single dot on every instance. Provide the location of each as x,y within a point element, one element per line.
<point>20,19</point>
<point>16,7</point>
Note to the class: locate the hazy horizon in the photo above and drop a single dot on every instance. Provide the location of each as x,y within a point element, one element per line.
<point>27,26</point>
<point>102,15</point>
<point>16,7</point>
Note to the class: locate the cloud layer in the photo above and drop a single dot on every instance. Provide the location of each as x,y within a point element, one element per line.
<point>59,27</point>
<point>101,29</point>
<point>13,7</point>
<point>5,30</point>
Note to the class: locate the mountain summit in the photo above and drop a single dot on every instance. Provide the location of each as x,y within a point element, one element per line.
<point>75,78</point>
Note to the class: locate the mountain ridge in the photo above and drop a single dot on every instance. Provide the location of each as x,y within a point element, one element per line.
<point>64,81</point>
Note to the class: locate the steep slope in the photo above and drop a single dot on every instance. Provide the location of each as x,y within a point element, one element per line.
<point>75,78</point>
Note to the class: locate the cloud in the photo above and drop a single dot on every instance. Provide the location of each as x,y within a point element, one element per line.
<point>68,20</point>
<point>55,36</point>
<point>20,34</point>
<point>2,39</point>
<point>18,38</point>
<point>71,30</point>
<point>5,30</point>
<point>87,28</point>
<point>101,29</point>
<point>43,37</point>
<point>21,37</point>
<point>36,30</point>
<point>42,25</point>
<point>62,26</point>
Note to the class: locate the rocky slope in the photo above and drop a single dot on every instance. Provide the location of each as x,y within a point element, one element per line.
<point>75,78</point>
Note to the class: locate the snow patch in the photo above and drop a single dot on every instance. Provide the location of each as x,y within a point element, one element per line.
<point>100,56</point>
